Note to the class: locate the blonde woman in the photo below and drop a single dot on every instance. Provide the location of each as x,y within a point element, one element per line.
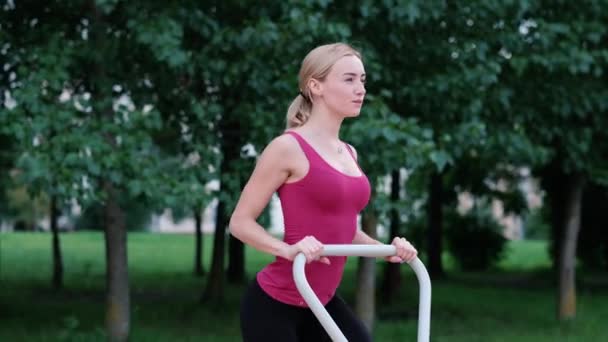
<point>322,189</point>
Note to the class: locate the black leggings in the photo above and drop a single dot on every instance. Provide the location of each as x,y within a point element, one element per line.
<point>265,319</point>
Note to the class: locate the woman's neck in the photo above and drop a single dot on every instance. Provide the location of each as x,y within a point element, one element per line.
<point>323,124</point>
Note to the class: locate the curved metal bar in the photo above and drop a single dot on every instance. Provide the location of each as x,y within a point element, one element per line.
<point>424,281</point>
<point>313,302</point>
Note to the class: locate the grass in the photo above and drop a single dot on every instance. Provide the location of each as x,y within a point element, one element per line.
<point>515,302</point>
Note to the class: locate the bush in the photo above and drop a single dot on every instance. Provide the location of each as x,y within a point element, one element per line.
<point>474,240</point>
<point>536,225</point>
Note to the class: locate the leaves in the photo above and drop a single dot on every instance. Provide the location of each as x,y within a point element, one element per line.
<point>498,83</point>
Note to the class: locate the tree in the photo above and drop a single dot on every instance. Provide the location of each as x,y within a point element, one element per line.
<point>87,70</point>
<point>557,70</point>
<point>386,130</point>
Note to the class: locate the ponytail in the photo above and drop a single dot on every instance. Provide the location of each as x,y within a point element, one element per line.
<point>299,111</point>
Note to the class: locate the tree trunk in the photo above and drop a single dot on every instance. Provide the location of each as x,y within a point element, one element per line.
<point>567,267</point>
<point>198,244</point>
<point>392,271</point>
<point>214,290</point>
<point>236,261</point>
<point>117,276</point>
<point>553,180</point>
<point>117,318</point>
<point>365,302</point>
<point>57,259</point>
<point>435,221</point>
<point>230,140</point>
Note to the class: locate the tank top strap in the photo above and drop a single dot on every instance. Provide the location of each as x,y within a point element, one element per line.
<point>308,150</point>
<point>352,153</point>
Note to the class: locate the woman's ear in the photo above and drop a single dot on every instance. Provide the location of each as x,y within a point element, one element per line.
<point>316,87</point>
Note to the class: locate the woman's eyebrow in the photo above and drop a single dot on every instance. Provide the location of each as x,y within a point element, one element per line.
<point>353,74</point>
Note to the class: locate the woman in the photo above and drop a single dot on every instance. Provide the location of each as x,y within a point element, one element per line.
<point>322,189</point>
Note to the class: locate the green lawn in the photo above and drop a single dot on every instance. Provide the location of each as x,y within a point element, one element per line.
<point>515,302</point>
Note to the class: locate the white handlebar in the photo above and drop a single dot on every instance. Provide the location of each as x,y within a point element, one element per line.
<point>424,281</point>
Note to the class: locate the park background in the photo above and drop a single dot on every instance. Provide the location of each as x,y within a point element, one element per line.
<point>484,134</point>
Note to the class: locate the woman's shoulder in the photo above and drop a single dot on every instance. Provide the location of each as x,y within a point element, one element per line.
<point>284,143</point>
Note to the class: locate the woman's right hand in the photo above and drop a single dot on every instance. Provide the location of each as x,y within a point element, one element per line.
<point>310,246</point>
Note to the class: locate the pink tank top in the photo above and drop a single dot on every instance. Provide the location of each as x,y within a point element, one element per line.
<point>324,204</point>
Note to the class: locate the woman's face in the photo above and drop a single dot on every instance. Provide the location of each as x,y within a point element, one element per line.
<point>343,90</point>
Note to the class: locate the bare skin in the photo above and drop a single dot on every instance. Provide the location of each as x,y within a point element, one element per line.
<point>337,97</point>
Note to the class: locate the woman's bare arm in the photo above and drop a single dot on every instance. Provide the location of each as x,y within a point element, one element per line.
<point>361,238</point>
<point>273,168</point>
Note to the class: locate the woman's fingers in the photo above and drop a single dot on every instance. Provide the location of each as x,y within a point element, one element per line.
<point>312,249</point>
<point>394,259</point>
<point>405,251</point>
<point>309,248</point>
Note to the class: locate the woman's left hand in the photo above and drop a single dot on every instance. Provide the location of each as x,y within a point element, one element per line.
<point>405,251</point>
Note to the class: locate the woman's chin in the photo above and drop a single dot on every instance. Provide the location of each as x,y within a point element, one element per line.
<point>350,114</point>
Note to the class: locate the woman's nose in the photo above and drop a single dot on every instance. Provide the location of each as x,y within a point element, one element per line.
<point>361,89</point>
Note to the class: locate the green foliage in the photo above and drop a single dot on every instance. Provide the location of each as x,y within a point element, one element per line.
<point>475,239</point>
<point>155,96</point>
<point>160,98</point>
<point>415,227</point>
<point>536,225</point>
<point>79,120</point>
<point>24,210</point>
<point>386,141</point>
<point>561,96</point>
<point>138,216</point>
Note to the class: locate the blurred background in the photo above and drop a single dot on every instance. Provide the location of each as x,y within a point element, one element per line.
<point>128,129</point>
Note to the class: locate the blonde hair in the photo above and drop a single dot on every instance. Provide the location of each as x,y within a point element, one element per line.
<point>316,65</point>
